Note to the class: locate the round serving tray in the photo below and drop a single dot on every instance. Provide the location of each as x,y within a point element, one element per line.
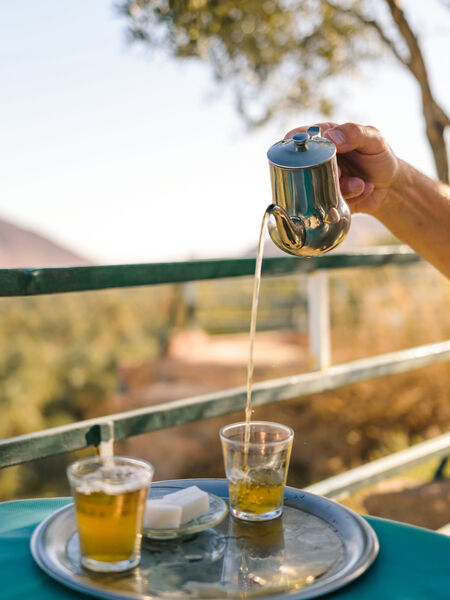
<point>315,548</point>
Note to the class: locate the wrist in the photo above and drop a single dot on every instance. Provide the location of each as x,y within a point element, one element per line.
<point>395,191</point>
<point>403,177</point>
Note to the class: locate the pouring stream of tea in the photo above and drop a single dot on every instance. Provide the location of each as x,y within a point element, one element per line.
<point>254,313</point>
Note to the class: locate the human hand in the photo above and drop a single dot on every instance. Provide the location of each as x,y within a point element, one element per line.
<point>367,165</point>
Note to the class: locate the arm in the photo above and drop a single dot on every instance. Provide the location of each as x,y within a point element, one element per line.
<point>417,211</point>
<point>415,208</point>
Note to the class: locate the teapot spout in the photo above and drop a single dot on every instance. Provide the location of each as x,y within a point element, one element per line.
<point>288,233</point>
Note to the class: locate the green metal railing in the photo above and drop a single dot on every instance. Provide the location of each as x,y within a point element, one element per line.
<point>102,431</point>
<point>29,282</point>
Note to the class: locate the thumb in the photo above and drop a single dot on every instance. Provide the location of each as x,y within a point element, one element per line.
<point>351,136</point>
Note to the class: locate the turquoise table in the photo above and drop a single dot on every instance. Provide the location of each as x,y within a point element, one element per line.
<point>413,563</point>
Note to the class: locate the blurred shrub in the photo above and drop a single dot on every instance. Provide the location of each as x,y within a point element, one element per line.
<point>60,355</point>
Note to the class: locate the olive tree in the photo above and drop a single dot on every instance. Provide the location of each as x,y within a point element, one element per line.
<point>280,54</point>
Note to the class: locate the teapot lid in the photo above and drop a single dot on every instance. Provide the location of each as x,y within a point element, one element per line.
<point>302,150</point>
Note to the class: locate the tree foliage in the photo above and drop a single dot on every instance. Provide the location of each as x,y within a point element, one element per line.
<point>280,54</point>
<point>276,55</point>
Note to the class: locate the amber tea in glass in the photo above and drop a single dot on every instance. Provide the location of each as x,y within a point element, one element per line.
<point>110,495</point>
<point>256,456</point>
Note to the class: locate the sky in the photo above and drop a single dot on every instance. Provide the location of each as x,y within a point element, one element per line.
<point>125,156</point>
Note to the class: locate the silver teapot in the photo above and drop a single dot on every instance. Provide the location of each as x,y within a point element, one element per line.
<point>308,216</point>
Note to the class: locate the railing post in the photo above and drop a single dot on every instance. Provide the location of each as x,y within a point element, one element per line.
<point>190,298</point>
<point>319,319</point>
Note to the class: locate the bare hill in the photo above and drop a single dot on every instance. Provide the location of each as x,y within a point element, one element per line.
<point>21,248</point>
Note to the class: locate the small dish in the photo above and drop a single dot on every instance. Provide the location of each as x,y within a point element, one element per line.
<point>218,510</point>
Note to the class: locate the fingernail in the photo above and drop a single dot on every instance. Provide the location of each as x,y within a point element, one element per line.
<point>337,136</point>
<point>355,185</point>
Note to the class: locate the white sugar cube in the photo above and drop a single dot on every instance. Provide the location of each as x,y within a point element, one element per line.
<point>161,514</point>
<point>192,501</point>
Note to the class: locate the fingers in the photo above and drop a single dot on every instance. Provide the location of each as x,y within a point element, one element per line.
<point>357,193</point>
<point>354,188</point>
<point>351,186</point>
<point>350,136</point>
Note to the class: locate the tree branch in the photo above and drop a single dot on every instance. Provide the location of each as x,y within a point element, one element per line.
<point>416,63</point>
<point>435,117</point>
<point>373,25</point>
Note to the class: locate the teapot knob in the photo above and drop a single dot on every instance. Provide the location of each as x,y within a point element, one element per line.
<point>313,132</point>
<point>300,141</point>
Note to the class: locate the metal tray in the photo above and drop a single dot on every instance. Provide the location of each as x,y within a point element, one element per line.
<point>316,547</point>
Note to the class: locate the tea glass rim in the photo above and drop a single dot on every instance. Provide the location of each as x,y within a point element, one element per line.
<point>288,430</point>
<point>145,467</point>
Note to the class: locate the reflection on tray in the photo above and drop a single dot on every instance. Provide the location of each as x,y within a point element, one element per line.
<point>244,560</point>
<point>255,561</point>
